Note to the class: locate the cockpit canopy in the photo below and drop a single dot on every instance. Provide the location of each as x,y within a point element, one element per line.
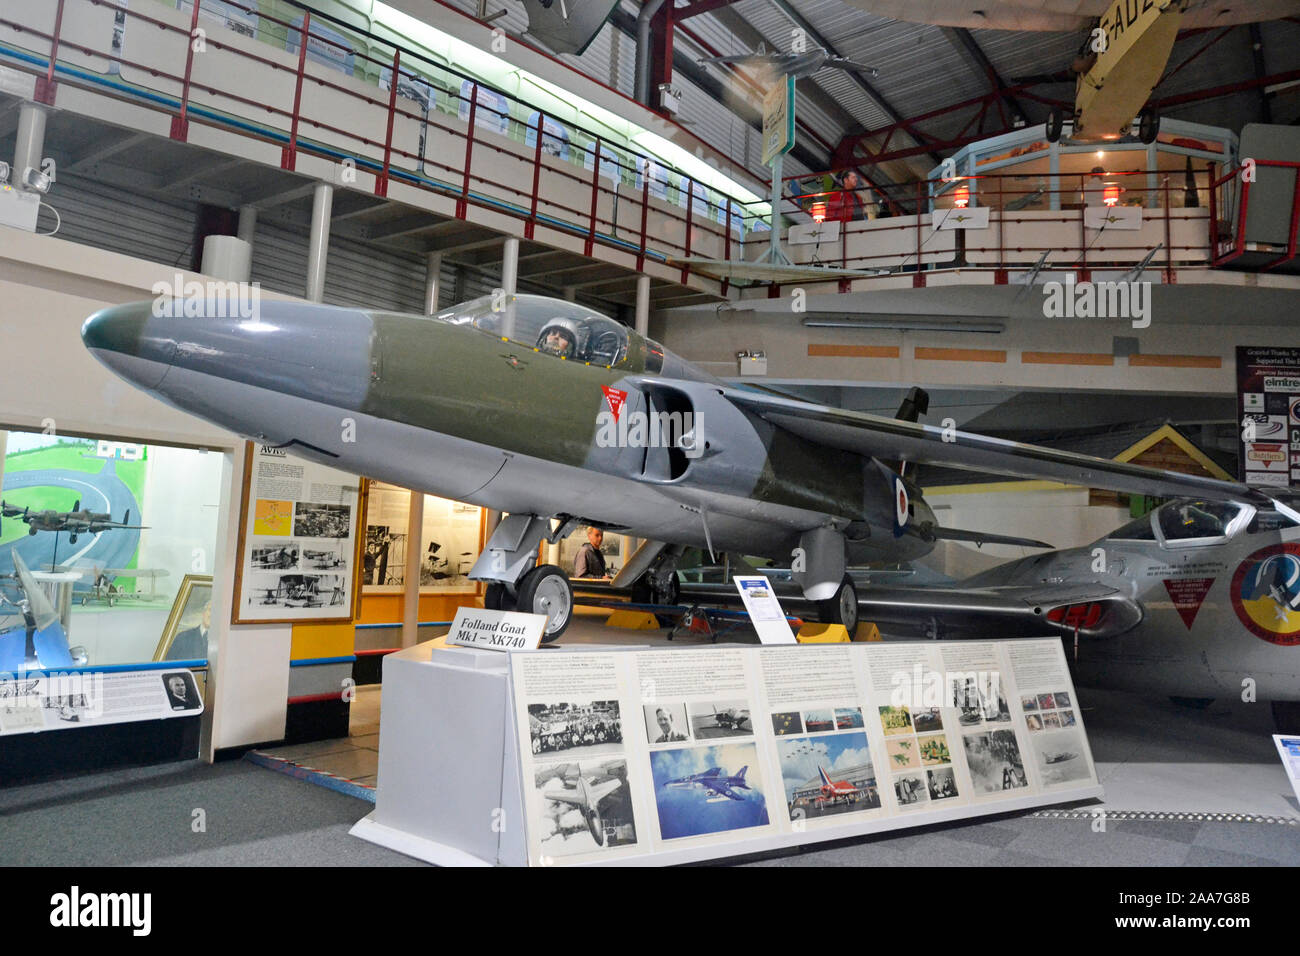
<point>1196,521</point>
<point>555,326</point>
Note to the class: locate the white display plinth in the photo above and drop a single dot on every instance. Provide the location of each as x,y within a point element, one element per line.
<point>451,785</point>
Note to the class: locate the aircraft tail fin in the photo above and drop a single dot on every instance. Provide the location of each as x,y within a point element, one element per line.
<point>740,777</point>
<point>826,781</point>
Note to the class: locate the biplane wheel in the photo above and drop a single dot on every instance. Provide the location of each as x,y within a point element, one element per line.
<point>842,608</point>
<point>546,590</point>
<point>1148,126</point>
<point>1055,124</point>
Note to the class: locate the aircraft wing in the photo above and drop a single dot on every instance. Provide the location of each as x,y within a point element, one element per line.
<point>722,790</point>
<point>894,440</point>
<point>572,797</point>
<point>602,790</point>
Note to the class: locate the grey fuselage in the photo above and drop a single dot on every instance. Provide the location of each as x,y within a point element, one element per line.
<point>453,411</point>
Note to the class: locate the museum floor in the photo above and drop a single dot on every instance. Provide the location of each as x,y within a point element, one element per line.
<point>1183,787</point>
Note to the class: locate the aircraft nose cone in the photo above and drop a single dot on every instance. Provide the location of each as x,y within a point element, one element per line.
<point>129,340</point>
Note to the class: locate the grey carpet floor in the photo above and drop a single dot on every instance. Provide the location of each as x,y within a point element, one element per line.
<point>255,817</point>
<point>145,817</point>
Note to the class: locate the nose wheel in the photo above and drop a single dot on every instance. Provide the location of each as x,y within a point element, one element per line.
<point>543,590</point>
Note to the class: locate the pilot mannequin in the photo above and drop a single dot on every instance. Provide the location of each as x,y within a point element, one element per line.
<point>559,337</point>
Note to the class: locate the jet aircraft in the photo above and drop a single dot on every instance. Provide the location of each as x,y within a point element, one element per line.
<point>833,790</point>
<point>75,522</point>
<point>558,416</point>
<point>715,783</point>
<point>37,639</point>
<point>586,795</point>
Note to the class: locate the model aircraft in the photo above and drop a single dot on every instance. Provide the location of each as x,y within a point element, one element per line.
<point>715,783</point>
<point>798,65</point>
<point>557,416</point>
<point>586,795</point>
<point>37,641</point>
<point>74,522</point>
<point>832,790</point>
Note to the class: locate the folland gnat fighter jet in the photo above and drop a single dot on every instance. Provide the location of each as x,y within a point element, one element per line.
<point>75,522</point>
<point>587,795</point>
<point>715,783</point>
<point>732,718</point>
<point>557,416</point>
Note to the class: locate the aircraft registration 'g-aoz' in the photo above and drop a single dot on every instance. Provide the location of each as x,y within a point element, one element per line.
<point>539,408</point>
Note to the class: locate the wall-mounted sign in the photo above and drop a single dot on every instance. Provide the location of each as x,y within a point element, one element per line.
<point>1268,413</point>
<point>778,120</point>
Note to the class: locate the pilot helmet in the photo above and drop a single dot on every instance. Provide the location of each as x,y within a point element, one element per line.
<point>566,327</point>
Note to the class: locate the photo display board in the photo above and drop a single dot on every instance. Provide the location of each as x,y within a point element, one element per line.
<point>730,750</point>
<point>298,541</point>
<point>31,703</point>
<point>1268,405</point>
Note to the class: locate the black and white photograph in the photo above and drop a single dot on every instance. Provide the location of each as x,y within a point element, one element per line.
<point>994,761</point>
<point>941,783</point>
<point>1060,756</point>
<point>720,718</point>
<point>312,520</point>
<point>274,555</point>
<point>326,555</point>
<point>910,789</point>
<point>579,729</point>
<point>666,723</point>
<point>182,694</point>
<point>296,590</point>
<point>586,806</point>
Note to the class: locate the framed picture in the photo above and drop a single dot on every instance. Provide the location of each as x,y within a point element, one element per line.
<point>300,538</point>
<point>185,636</point>
<point>450,542</point>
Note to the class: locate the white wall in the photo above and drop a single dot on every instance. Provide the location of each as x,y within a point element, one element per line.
<point>48,288</point>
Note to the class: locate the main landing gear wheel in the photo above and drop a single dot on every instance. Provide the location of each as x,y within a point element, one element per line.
<point>1148,126</point>
<point>1055,124</point>
<point>546,590</point>
<point>497,597</point>
<point>842,608</point>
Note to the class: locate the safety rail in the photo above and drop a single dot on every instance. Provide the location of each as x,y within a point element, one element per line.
<point>1229,240</point>
<point>611,197</point>
<point>1079,221</point>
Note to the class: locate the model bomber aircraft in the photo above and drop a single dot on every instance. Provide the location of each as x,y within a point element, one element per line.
<point>74,522</point>
<point>555,415</point>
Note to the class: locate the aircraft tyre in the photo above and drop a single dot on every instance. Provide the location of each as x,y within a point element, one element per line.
<point>1055,124</point>
<point>546,590</point>
<point>1148,126</point>
<point>497,597</point>
<point>842,608</point>
<point>1286,715</point>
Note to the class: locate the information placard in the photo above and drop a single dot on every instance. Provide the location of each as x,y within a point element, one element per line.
<point>1268,406</point>
<point>66,700</point>
<point>298,540</point>
<point>496,630</point>
<point>666,755</point>
<point>764,609</point>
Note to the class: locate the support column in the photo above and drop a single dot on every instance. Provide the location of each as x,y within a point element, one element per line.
<point>510,265</point>
<point>411,592</point>
<point>571,293</point>
<point>432,282</point>
<point>29,142</point>
<point>322,207</point>
<point>642,305</point>
<point>247,224</point>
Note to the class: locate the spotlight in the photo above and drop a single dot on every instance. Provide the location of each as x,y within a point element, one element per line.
<point>4,172</point>
<point>36,181</point>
